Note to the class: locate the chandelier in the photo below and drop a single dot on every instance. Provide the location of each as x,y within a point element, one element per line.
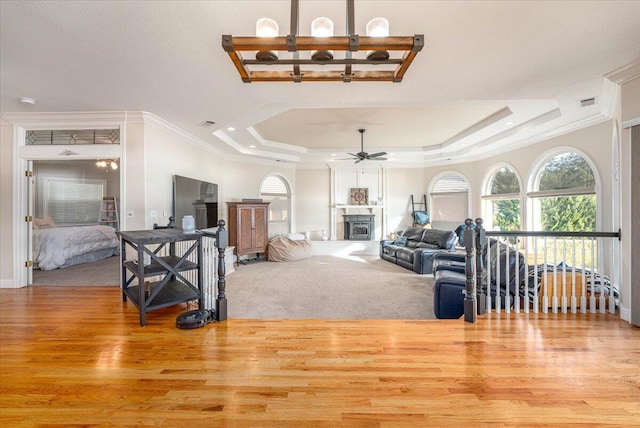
<point>322,56</point>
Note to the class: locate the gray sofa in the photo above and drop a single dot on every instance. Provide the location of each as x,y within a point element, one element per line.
<point>415,247</point>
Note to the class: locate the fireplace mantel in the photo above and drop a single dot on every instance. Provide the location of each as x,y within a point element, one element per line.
<point>345,178</point>
<point>369,207</point>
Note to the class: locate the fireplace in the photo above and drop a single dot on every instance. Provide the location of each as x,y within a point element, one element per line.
<point>359,227</point>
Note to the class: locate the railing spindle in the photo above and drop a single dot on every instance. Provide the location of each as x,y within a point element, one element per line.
<point>603,299</point>
<point>488,258</point>
<point>564,276</point>
<point>554,298</point>
<point>592,300</point>
<point>498,301</point>
<point>507,289</point>
<point>583,298</point>
<point>536,296</point>
<point>545,280</point>
<point>574,300</point>
<point>516,297</point>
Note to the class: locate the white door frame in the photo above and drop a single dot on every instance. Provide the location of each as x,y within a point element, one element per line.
<point>24,154</point>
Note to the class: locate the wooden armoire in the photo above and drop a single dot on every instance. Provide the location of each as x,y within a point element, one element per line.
<point>248,227</point>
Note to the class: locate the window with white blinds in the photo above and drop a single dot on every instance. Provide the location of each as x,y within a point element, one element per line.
<point>72,201</point>
<point>276,191</point>
<point>450,198</point>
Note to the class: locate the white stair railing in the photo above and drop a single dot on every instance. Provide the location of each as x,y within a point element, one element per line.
<point>538,271</point>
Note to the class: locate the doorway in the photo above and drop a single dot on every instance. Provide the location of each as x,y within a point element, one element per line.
<point>69,194</point>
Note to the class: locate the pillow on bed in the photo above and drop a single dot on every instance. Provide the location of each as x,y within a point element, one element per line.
<point>44,223</point>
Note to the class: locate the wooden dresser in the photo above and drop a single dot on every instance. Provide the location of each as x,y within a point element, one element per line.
<point>248,227</point>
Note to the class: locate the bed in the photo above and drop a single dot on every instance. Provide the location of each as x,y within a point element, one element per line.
<point>61,247</point>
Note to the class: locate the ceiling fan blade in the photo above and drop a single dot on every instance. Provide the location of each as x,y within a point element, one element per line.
<point>354,155</point>
<point>358,161</point>
<point>375,155</point>
<point>378,159</point>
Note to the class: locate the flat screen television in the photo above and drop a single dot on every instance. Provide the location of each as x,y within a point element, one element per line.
<point>196,198</point>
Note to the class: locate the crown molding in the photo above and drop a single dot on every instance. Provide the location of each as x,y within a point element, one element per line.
<point>275,144</point>
<point>487,121</point>
<point>57,120</point>
<point>261,161</point>
<point>631,122</point>
<point>592,120</point>
<point>225,138</point>
<point>159,123</point>
<point>626,73</point>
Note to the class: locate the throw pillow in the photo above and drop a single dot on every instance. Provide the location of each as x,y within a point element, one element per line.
<point>401,241</point>
<point>44,223</point>
<point>421,217</point>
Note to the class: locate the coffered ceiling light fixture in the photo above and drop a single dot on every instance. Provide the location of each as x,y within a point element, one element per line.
<point>323,57</point>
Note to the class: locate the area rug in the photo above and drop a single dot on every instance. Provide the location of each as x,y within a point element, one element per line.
<point>327,287</point>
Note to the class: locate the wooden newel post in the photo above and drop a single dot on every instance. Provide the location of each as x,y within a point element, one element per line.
<point>470,302</point>
<point>221,244</point>
<point>480,274</point>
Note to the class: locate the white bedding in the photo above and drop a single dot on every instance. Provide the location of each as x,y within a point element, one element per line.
<point>57,247</point>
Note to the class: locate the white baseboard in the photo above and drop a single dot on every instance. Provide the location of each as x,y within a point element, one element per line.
<point>625,314</point>
<point>8,283</point>
<point>346,248</point>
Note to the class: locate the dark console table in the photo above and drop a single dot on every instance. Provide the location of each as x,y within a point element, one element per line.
<point>173,287</point>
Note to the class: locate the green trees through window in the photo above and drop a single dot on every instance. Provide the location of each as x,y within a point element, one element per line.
<point>505,199</point>
<point>571,203</point>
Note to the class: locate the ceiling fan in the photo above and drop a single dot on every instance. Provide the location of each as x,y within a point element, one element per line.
<point>362,155</point>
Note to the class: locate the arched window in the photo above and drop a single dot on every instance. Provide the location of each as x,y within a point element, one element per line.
<point>564,195</point>
<point>274,189</point>
<point>502,207</point>
<point>449,200</point>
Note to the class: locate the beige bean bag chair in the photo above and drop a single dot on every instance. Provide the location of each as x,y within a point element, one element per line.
<point>283,249</point>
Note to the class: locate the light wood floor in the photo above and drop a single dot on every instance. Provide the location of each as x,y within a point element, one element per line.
<point>77,356</point>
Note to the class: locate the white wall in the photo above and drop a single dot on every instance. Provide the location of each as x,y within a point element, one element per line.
<point>401,184</point>
<point>630,105</point>
<point>313,195</point>
<point>631,100</point>
<point>6,204</point>
<point>134,172</point>
<point>166,155</point>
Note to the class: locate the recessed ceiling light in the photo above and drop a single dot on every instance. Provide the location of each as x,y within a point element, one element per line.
<point>333,154</point>
<point>27,100</point>
<point>231,128</point>
<point>509,123</point>
<point>252,146</point>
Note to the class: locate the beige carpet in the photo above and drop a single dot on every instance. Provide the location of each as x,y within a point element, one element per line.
<point>321,287</point>
<point>326,287</point>
<point>101,272</point>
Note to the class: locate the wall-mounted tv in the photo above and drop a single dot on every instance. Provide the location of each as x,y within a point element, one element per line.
<point>196,198</point>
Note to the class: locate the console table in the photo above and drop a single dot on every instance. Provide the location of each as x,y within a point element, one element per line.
<point>173,287</point>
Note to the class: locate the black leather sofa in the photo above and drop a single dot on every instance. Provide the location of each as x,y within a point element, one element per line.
<point>450,278</point>
<point>415,247</point>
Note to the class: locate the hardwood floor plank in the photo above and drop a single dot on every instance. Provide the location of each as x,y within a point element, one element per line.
<point>76,356</point>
